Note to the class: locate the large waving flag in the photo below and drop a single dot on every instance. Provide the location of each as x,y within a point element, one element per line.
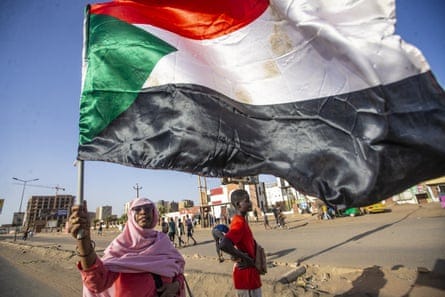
<point>321,93</point>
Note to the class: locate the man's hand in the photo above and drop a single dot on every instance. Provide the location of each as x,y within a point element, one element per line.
<point>245,262</point>
<point>168,289</point>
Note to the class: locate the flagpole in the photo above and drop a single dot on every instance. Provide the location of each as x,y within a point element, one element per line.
<point>80,168</point>
<point>80,183</point>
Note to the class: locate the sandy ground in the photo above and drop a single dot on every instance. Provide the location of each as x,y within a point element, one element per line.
<point>55,267</point>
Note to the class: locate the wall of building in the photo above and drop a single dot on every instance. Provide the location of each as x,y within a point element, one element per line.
<point>43,209</point>
<point>103,212</point>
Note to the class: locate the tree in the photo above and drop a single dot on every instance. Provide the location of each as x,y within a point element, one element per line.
<point>162,210</point>
<point>95,223</point>
<point>108,219</point>
<point>123,219</point>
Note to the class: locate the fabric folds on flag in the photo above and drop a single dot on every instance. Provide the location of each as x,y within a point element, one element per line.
<point>322,94</point>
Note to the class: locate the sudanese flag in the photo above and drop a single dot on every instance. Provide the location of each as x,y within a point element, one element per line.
<point>323,95</point>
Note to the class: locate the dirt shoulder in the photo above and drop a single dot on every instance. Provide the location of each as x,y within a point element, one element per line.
<point>57,269</point>
<point>55,266</point>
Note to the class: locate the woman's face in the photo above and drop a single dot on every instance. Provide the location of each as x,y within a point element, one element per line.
<point>143,215</point>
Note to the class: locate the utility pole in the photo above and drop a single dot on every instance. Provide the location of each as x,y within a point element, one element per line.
<point>202,187</point>
<point>137,188</point>
<point>204,208</point>
<point>21,200</point>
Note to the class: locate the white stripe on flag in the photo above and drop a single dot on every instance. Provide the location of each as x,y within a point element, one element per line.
<point>308,56</point>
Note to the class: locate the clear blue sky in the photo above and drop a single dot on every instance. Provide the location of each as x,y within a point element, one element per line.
<point>40,73</point>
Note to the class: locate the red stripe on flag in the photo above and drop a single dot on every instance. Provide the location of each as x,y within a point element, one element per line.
<point>197,19</point>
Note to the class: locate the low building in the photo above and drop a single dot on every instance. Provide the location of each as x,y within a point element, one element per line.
<point>48,212</point>
<point>103,212</point>
<point>186,203</point>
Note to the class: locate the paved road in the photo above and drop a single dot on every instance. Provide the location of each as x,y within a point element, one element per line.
<point>409,236</point>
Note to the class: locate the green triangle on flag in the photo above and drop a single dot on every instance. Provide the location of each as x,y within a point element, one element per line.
<point>120,58</point>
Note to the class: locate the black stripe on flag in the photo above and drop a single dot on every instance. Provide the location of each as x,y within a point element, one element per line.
<point>352,149</point>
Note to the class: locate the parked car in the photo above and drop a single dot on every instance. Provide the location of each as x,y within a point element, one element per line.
<point>352,212</point>
<point>3,231</point>
<point>375,208</point>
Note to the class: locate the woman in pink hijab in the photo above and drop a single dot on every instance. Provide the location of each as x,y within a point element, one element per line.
<point>139,262</point>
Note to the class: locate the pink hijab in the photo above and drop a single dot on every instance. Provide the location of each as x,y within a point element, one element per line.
<point>143,250</point>
<point>138,250</point>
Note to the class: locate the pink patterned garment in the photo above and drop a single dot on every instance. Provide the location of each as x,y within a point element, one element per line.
<point>135,252</point>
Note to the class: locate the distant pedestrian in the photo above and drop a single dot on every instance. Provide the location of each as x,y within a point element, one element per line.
<point>181,231</point>
<point>25,235</point>
<point>325,213</point>
<point>266,221</point>
<point>172,230</point>
<point>164,226</point>
<point>218,233</point>
<point>255,214</point>
<point>275,212</point>
<point>282,220</point>
<point>319,208</point>
<point>189,224</point>
<point>211,220</point>
<point>99,230</point>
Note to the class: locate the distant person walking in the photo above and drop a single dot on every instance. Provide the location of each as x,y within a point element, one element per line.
<point>99,230</point>
<point>181,231</point>
<point>275,212</point>
<point>164,226</point>
<point>282,220</point>
<point>218,233</point>
<point>325,213</point>
<point>266,221</point>
<point>25,234</point>
<point>189,224</point>
<point>172,230</point>
<point>255,214</point>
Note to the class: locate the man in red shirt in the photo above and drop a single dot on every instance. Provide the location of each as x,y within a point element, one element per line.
<point>239,243</point>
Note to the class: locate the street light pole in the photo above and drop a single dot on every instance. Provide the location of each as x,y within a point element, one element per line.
<point>21,199</point>
<point>137,188</point>
<point>23,190</point>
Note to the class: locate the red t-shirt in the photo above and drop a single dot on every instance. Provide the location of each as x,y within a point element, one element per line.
<point>242,237</point>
